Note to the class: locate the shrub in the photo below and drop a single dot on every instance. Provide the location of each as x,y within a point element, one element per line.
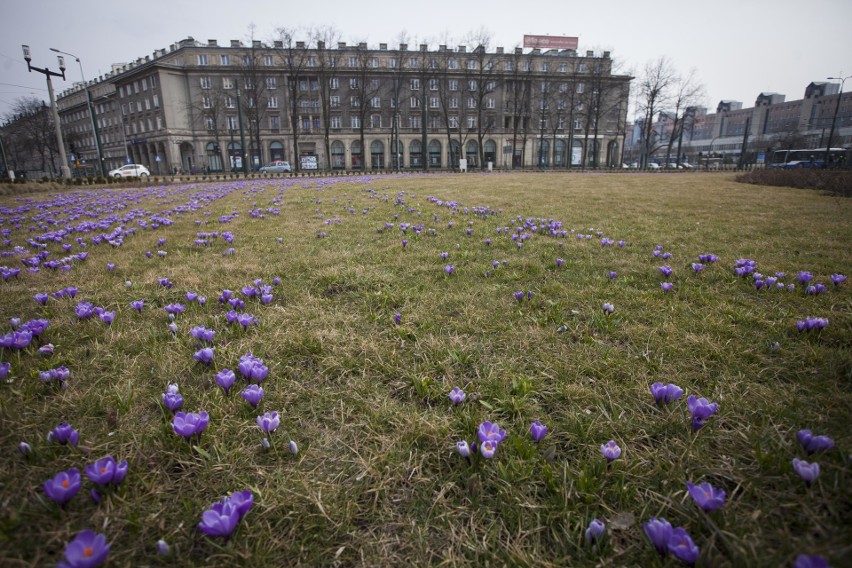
<point>836,182</point>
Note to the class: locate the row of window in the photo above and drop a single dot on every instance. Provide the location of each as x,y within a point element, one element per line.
<point>140,105</point>
<point>414,62</point>
<point>136,87</point>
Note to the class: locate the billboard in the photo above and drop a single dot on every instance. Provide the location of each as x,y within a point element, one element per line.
<point>550,42</point>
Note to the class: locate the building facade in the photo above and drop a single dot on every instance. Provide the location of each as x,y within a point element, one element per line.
<point>206,107</point>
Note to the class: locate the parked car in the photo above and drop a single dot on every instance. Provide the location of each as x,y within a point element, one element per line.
<point>686,166</point>
<point>653,166</point>
<point>673,166</point>
<point>276,167</point>
<point>130,170</point>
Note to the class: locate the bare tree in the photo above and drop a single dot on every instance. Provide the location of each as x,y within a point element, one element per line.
<point>254,87</point>
<point>654,96</point>
<point>518,102</point>
<point>688,93</point>
<point>207,110</point>
<point>295,57</point>
<point>481,78</point>
<point>327,64</point>
<point>365,89</point>
<point>33,132</point>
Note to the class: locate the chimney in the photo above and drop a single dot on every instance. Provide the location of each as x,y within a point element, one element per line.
<point>499,51</point>
<point>606,55</point>
<point>236,43</point>
<point>341,45</point>
<point>403,47</point>
<point>300,45</point>
<point>255,43</point>
<point>383,46</point>
<point>462,49</point>
<point>320,44</point>
<point>590,53</point>
<point>423,47</point>
<point>278,43</point>
<point>519,51</point>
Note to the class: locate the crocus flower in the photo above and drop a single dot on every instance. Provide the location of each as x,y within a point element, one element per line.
<point>294,449</point>
<point>252,368</point>
<point>665,270</point>
<point>45,350</point>
<point>491,431</point>
<point>106,472</point>
<point>64,434</point>
<point>666,286</point>
<point>4,370</point>
<point>268,422</point>
<point>25,449</point>
<point>137,305</point>
<point>172,400</point>
<point>189,424</point>
<point>813,443</point>
<point>611,451</point>
<point>84,310</point>
<point>608,308</point>
<point>457,395</point>
<point>201,333</point>
<point>449,269</point>
<point>204,355</point>
<point>811,561</point>
<point>664,394</point>
<point>190,296</point>
<point>225,379</point>
<point>804,277</point>
<point>519,295</point>
<point>162,548</point>
<point>87,550</point>
<point>63,486</point>
<point>41,298</point>
<point>488,448</point>
<point>682,547</point>
<point>613,275</point>
<point>220,520</point>
<point>707,497</point>
<point>701,410</point>
<point>659,531</point>
<point>397,318</point>
<point>595,531</point>
<point>463,448</point>
<point>559,262</point>
<point>538,431</point>
<point>697,266</point>
<point>252,394</point>
<point>107,317</point>
<point>807,471</point>
<point>838,279</point>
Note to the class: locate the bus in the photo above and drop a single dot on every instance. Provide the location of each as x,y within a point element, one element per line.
<point>811,158</point>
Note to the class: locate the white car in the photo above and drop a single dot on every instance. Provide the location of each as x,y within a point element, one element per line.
<point>130,170</point>
<point>653,166</point>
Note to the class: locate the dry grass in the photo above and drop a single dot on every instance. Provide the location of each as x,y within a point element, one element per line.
<point>376,481</point>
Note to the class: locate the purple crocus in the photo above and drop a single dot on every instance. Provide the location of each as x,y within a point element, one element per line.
<point>205,355</point>
<point>701,410</point>
<point>491,431</point>
<point>488,448</point>
<point>707,497</point>
<point>106,472</point>
<point>538,431</point>
<point>595,531</point>
<point>63,486</point>
<point>5,369</point>
<point>252,394</point>
<point>608,308</point>
<point>559,262</point>
<point>64,434</point>
<point>137,305</point>
<point>463,448</point>
<point>449,269</point>
<point>838,279</point>
<point>811,561</point>
<point>225,379</point>
<point>613,275</point>
<point>807,471</point>
<point>457,395</point>
<point>804,277</point>
<point>682,547</point>
<point>190,296</point>
<point>611,451</point>
<point>268,422</point>
<point>107,317</point>
<point>813,443</point>
<point>697,266</point>
<point>84,310</point>
<point>221,518</point>
<point>190,423</point>
<point>666,286</point>
<point>201,333</point>
<point>665,270</point>
<point>41,298</point>
<point>252,368</point>
<point>87,550</point>
<point>665,394</point>
<point>659,531</point>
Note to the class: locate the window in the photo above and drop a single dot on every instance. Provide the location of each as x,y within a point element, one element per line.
<point>560,104</point>
<point>471,122</point>
<point>433,84</point>
<point>316,123</point>
<point>545,66</point>
<point>561,124</point>
<point>374,84</point>
<point>454,102</point>
<point>353,61</point>
<point>471,102</point>
<point>156,101</point>
<point>471,63</point>
<point>144,84</point>
<point>581,68</point>
<point>373,62</point>
<point>227,83</point>
<point>453,64</point>
<point>577,124</point>
<point>471,85</point>
<point>527,65</point>
<point>153,81</point>
<point>267,60</point>
<point>306,123</point>
<point>563,67</point>
<point>229,102</point>
<point>415,102</point>
<point>453,84</point>
<point>433,102</point>
<point>580,87</point>
<point>355,121</point>
<point>248,83</point>
<point>139,106</point>
<point>335,122</point>
<point>210,124</point>
<point>247,60</point>
<point>376,102</point>
<point>509,66</point>
<point>312,61</point>
<point>393,62</point>
<point>434,121</point>
<point>271,83</point>
<point>353,83</point>
<point>414,121</point>
<point>489,102</point>
<point>542,123</point>
<point>202,59</point>
<point>334,83</point>
<point>415,85</point>
<point>332,61</point>
<point>251,103</point>
<point>225,59</point>
<point>205,102</point>
<point>303,86</point>
<point>376,121</point>
<point>136,88</point>
<point>147,104</point>
<point>453,122</point>
<point>334,101</point>
<point>159,123</point>
<point>563,87</point>
<point>489,86</point>
<point>273,102</point>
<point>412,62</point>
<point>274,123</point>
<point>354,102</point>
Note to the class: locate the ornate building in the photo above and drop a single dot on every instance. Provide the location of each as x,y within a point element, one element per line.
<point>209,107</point>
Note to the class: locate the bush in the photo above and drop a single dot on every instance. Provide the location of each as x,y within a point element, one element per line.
<point>836,182</point>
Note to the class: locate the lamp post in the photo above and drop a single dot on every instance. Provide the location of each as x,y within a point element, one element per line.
<point>91,112</point>
<point>66,171</point>
<point>834,118</point>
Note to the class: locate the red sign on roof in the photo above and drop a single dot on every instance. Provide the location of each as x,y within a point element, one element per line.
<point>550,42</point>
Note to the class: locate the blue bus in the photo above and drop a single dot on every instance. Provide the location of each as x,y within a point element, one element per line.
<point>811,158</point>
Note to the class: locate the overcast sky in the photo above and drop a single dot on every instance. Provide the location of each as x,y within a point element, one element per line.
<point>737,48</point>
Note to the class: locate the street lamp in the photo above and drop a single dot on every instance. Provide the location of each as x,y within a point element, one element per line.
<point>834,118</point>
<point>91,111</point>
<point>66,171</point>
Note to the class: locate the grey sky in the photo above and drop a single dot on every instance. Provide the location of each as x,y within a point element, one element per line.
<point>738,48</point>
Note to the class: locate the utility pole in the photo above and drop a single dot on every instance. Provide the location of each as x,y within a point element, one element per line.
<point>66,171</point>
<point>834,118</point>
<point>745,143</point>
<point>242,132</point>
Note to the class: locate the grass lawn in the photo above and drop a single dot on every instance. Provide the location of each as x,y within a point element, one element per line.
<point>377,479</point>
